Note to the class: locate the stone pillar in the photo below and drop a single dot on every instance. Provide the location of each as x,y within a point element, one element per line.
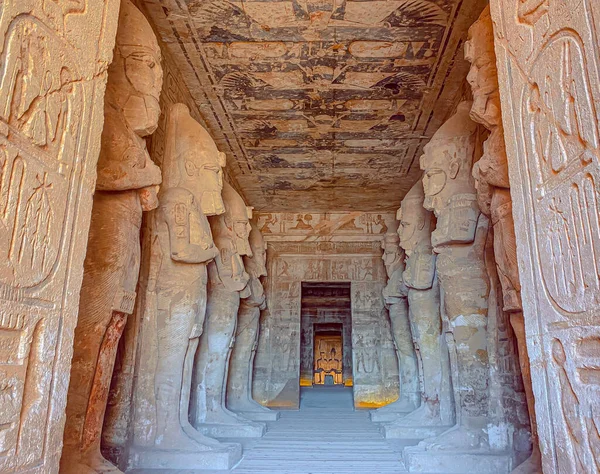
<point>436,413</point>
<point>123,190</point>
<point>395,296</point>
<point>460,240</point>
<point>241,365</point>
<point>552,138</point>
<point>180,246</point>
<point>493,195</point>
<point>54,58</point>
<point>228,282</point>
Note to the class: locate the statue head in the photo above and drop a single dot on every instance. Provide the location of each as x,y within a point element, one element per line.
<point>393,255</point>
<point>416,222</point>
<point>198,163</point>
<point>131,108</point>
<point>237,219</point>
<point>448,184</point>
<point>416,225</point>
<point>135,75</point>
<point>483,75</point>
<point>492,169</point>
<point>257,264</point>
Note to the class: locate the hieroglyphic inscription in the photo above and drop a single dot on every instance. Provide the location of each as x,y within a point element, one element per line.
<point>549,84</point>
<point>53,59</point>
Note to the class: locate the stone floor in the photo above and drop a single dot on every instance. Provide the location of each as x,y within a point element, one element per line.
<point>326,436</point>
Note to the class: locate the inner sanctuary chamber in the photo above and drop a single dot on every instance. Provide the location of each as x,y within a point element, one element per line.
<point>299,236</point>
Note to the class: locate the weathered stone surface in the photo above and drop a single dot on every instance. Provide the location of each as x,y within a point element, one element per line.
<point>239,380</point>
<point>459,240</point>
<point>126,186</point>
<point>550,123</point>
<point>436,412</point>
<point>395,295</point>
<point>324,258</point>
<point>181,245</point>
<point>53,62</point>
<point>227,283</point>
<point>320,105</point>
<point>492,183</point>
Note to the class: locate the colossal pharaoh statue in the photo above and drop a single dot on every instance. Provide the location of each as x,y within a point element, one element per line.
<point>436,412</point>
<point>239,382</point>
<point>227,283</point>
<point>493,193</point>
<point>126,186</point>
<point>459,240</point>
<point>180,247</point>
<point>395,297</point>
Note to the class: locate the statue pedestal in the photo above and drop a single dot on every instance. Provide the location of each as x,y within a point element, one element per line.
<point>154,458</point>
<point>393,411</point>
<point>268,415</point>
<point>419,459</point>
<point>233,430</point>
<point>396,431</point>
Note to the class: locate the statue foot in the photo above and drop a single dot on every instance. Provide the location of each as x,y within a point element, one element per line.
<point>422,416</point>
<point>88,464</point>
<point>178,440</point>
<point>458,438</point>
<point>198,437</point>
<point>402,405</point>
<point>532,465</point>
<point>225,417</point>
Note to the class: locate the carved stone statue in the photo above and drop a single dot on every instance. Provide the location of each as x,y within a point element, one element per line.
<point>181,246</point>
<point>239,381</point>
<point>493,194</point>
<point>227,283</point>
<point>395,296</point>
<point>459,240</point>
<point>127,185</point>
<point>436,412</point>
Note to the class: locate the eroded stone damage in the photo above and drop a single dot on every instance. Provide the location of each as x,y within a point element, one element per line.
<point>396,198</point>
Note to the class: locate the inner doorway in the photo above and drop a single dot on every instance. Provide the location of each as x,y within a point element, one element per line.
<point>326,328</point>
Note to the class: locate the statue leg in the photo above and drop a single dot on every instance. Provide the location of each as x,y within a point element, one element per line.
<point>174,328</point>
<point>407,359</point>
<point>95,350</point>
<point>533,464</point>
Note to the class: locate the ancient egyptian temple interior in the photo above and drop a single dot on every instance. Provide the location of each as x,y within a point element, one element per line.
<point>299,236</point>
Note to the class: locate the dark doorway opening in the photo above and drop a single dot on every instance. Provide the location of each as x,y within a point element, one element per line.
<point>326,328</point>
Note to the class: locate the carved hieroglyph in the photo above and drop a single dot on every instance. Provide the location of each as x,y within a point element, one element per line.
<point>395,296</point>
<point>436,410</point>
<point>492,183</point>
<point>549,86</point>
<point>459,240</point>
<point>239,381</point>
<point>53,61</point>
<point>180,246</point>
<point>127,185</point>
<point>227,283</point>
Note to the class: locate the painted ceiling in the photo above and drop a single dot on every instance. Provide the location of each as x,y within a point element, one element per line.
<point>320,104</point>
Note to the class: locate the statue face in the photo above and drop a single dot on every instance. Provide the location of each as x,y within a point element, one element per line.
<point>447,181</point>
<point>136,71</point>
<point>392,255</point>
<point>483,75</point>
<point>204,168</point>
<point>257,264</point>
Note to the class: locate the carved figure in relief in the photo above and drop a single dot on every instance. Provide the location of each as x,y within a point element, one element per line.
<point>459,240</point>
<point>181,246</point>
<point>228,283</point>
<point>127,185</point>
<point>395,296</point>
<point>239,382</point>
<point>416,226</point>
<point>492,183</point>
